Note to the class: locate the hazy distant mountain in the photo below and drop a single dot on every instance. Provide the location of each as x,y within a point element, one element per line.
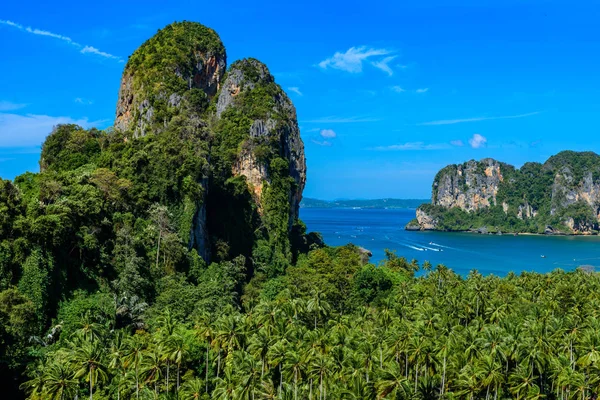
<point>375,203</point>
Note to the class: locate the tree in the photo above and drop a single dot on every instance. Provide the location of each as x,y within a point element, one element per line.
<point>161,220</point>
<point>89,363</point>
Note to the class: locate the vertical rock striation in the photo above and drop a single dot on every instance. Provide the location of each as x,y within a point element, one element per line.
<point>270,132</point>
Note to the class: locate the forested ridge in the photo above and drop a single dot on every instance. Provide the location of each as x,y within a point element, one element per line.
<point>164,259</point>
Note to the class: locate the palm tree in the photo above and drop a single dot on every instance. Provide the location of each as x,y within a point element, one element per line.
<point>88,359</point>
<point>293,367</point>
<point>320,368</point>
<point>34,387</point>
<point>522,380</point>
<point>151,367</point>
<point>259,345</point>
<point>116,360</point>
<point>491,375</point>
<point>59,382</point>
<point>204,332</point>
<point>318,305</point>
<point>392,382</point>
<point>192,389</point>
<point>227,386</point>
<point>250,374</point>
<point>134,356</point>
<point>179,351</point>
<point>277,355</point>
<point>88,329</point>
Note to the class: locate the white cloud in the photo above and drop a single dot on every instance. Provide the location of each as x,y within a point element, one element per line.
<point>52,35</point>
<point>321,143</point>
<point>93,50</point>
<point>31,130</point>
<point>296,90</point>
<point>384,65</point>
<point>476,119</point>
<point>397,89</point>
<point>411,146</point>
<point>423,90</point>
<point>10,23</point>
<point>340,120</point>
<point>80,100</point>
<point>457,143</point>
<point>8,106</point>
<point>352,60</point>
<point>328,133</point>
<point>84,48</point>
<point>477,141</point>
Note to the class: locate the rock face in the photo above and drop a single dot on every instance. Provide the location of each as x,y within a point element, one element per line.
<point>183,62</point>
<point>246,125</point>
<point>470,186</point>
<point>426,222</point>
<point>564,192</point>
<point>272,132</point>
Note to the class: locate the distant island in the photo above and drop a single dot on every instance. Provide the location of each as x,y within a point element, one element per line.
<point>374,204</point>
<point>560,196</point>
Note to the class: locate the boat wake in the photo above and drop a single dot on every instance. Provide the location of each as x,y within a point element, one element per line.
<point>414,247</point>
<point>439,245</point>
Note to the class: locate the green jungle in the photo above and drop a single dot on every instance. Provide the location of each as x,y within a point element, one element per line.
<point>164,259</point>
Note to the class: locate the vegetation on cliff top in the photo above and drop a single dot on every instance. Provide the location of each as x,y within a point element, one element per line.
<point>175,61</point>
<point>529,199</point>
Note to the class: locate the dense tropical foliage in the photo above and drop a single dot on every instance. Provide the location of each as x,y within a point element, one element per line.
<point>334,328</point>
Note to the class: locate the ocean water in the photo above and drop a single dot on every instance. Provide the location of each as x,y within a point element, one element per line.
<point>380,229</point>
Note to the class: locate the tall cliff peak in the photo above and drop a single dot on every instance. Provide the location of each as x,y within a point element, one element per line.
<point>180,67</point>
<point>258,143</point>
<point>270,132</point>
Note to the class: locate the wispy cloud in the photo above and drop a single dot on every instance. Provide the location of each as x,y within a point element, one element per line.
<point>457,143</point>
<point>476,119</point>
<point>477,141</point>
<point>328,133</point>
<point>397,89</point>
<point>340,120</point>
<point>31,130</point>
<point>8,106</point>
<point>295,89</point>
<point>85,49</point>
<point>411,146</point>
<point>81,100</point>
<point>423,90</point>
<point>321,143</point>
<point>352,60</point>
<point>384,65</point>
<point>93,50</point>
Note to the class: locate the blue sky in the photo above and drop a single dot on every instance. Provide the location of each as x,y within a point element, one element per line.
<point>387,92</point>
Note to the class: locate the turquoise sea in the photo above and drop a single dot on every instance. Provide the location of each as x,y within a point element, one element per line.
<point>380,229</point>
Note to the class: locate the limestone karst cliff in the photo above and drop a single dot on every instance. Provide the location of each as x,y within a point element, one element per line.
<point>242,124</point>
<point>560,196</point>
<point>470,186</point>
<point>258,149</point>
<point>271,131</point>
<point>180,67</point>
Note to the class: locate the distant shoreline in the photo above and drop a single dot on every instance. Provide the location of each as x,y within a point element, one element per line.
<point>389,203</point>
